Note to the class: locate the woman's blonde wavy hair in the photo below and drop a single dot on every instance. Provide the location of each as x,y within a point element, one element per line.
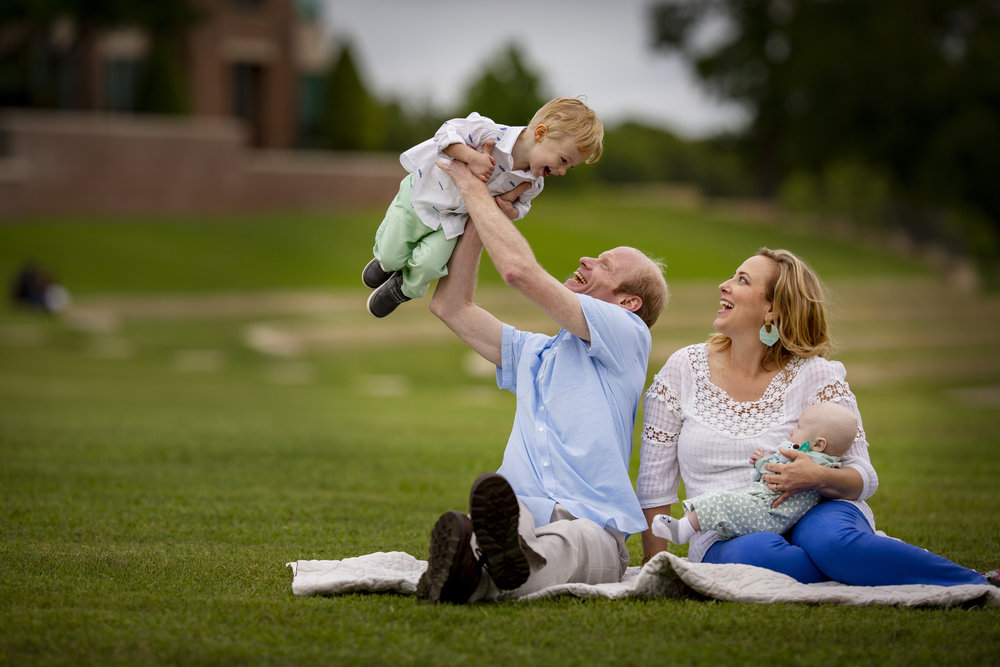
<point>798,299</point>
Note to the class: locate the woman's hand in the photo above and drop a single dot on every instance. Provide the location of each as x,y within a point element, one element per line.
<point>798,475</point>
<point>803,474</point>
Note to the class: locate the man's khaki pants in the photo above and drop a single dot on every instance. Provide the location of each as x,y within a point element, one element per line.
<point>566,550</point>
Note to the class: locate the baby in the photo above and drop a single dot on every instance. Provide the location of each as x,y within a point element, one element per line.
<point>825,432</point>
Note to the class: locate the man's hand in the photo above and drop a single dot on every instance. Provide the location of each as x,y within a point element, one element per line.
<point>512,256</point>
<point>460,174</point>
<point>504,201</point>
<point>507,199</point>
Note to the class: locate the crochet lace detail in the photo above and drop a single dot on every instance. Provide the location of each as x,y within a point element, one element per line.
<point>833,392</point>
<point>659,436</point>
<point>669,402</point>
<point>739,419</point>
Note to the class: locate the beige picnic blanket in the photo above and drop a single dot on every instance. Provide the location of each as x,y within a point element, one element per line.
<point>665,575</point>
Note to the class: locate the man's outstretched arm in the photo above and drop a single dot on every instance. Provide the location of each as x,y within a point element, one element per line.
<point>453,302</point>
<point>512,256</point>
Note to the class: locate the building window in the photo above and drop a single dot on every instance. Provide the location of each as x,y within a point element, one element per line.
<point>121,91</point>
<point>308,9</point>
<point>248,5</point>
<point>247,99</point>
<point>310,107</point>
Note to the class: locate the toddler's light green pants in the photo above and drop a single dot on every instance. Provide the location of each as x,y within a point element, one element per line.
<point>404,243</point>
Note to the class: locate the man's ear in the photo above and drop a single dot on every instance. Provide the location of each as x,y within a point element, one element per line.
<point>630,302</point>
<point>540,132</point>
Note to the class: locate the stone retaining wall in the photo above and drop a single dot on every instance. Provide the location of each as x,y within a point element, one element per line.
<point>99,164</point>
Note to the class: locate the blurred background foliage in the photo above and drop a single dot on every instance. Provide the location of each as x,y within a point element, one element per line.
<point>881,117</point>
<point>878,117</point>
<point>886,113</point>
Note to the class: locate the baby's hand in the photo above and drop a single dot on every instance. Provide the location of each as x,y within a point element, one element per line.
<point>759,453</point>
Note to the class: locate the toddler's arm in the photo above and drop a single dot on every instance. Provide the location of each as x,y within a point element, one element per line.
<point>480,164</point>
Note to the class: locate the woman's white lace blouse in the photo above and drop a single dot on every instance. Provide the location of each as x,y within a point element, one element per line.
<point>693,430</point>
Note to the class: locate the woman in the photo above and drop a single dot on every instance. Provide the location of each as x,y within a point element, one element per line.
<point>712,404</point>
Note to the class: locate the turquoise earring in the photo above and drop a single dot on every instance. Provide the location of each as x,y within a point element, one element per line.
<point>769,338</point>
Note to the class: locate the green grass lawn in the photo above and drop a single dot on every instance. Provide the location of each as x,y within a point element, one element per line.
<point>158,471</point>
<point>312,250</point>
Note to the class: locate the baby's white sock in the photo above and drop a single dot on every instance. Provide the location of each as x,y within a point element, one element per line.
<point>678,531</point>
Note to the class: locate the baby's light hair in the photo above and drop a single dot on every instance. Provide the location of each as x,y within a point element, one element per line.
<point>835,422</point>
<point>567,116</point>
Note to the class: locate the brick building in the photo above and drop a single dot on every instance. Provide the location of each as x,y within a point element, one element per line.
<point>254,60</point>
<point>252,71</point>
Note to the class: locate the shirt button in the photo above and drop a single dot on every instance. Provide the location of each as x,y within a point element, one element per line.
<point>541,428</point>
<point>541,408</point>
<point>546,464</point>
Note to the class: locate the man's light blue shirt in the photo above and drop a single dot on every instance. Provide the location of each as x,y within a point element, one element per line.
<point>576,407</point>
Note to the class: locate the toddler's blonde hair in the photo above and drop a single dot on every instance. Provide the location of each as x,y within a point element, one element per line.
<point>567,116</point>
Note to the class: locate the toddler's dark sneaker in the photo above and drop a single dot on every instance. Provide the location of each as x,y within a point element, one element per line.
<point>494,511</point>
<point>386,298</point>
<point>374,275</point>
<point>453,571</point>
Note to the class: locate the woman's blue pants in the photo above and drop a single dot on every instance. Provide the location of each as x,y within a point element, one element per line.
<point>834,541</point>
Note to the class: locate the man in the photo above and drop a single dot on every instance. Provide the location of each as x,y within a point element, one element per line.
<point>562,504</point>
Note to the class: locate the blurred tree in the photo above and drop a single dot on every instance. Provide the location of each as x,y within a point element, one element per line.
<point>352,118</point>
<point>162,84</point>
<point>407,126</point>
<point>22,23</point>
<point>507,91</point>
<point>635,153</point>
<point>163,87</point>
<point>907,90</point>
